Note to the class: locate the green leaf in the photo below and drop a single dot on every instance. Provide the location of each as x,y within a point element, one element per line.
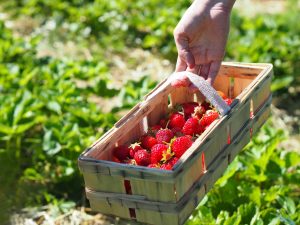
<point>292,159</point>
<point>6,129</point>
<point>54,106</point>
<point>288,204</point>
<point>247,212</point>
<point>230,171</point>
<point>20,107</point>
<point>235,219</point>
<point>281,83</point>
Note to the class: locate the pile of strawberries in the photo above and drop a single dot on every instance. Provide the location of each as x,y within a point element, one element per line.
<point>164,143</point>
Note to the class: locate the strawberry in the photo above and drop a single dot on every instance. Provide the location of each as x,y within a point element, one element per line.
<point>181,144</point>
<point>164,136</point>
<point>173,161</point>
<point>206,105</point>
<point>153,165</point>
<point>176,120</point>
<point>209,117</point>
<point>121,152</point>
<point>148,141</point>
<point>133,148</point>
<point>163,123</point>
<point>177,131</point>
<point>142,157</point>
<point>153,130</point>
<point>157,153</point>
<point>192,127</point>
<point>188,108</point>
<point>166,167</point>
<point>170,164</point>
<point>228,101</point>
<point>199,112</point>
<point>115,159</point>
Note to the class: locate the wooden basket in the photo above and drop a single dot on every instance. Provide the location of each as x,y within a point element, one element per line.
<point>169,197</point>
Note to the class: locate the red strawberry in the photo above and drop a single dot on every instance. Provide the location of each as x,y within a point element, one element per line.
<point>153,165</point>
<point>148,141</point>
<point>181,144</point>
<point>206,105</point>
<point>173,161</point>
<point>164,136</point>
<point>199,112</point>
<point>157,153</point>
<point>166,167</point>
<point>177,131</point>
<point>134,148</point>
<point>142,157</point>
<point>163,123</point>
<point>153,130</point>
<point>121,152</point>
<point>192,127</point>
<point>115,159</point>
<point>209,117</point>
<point>228,101</point>
<point>188,108</point>
<point>176,120</point>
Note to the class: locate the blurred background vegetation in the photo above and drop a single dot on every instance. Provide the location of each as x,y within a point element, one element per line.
<point>62,62</point>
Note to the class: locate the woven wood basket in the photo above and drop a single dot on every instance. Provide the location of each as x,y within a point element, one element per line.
<point>169,197</point>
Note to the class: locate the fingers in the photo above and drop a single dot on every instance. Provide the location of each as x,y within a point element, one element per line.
<point>182,82</point>
<point>213,71</point>
<point>204,71</point>
<point>185,56</point>
<point>180,65</point>
<point>194,70</point>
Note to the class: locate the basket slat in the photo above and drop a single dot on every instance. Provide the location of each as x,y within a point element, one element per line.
<point>155,191</point>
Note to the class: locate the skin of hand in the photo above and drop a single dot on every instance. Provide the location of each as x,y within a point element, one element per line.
<point>201,37</point>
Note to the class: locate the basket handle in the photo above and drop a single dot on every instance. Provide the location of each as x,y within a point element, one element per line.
<point>204,87</point>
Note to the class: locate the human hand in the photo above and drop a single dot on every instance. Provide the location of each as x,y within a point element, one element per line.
<point>201,37</point>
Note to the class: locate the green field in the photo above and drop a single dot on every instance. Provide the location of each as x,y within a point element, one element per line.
<point>61,62</point>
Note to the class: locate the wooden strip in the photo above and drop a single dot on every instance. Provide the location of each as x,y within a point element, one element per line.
<point>237,70</point>
<point>238,145</point>
<point>132,134</point>
<point>100,182</point>
<point>109,208</point>
<point>186,179</point>
<point>222,84</point>
<point>215,171</point>
<point>240,85</point>
<point>261,93</point>
<point>181,95</point>
<point>191,205</point>
<point>239,118</point>
<point>157,218</point>
<point>262,115</point>
<point>125,171</point>
<point>156,114</point>
<point>154,191</point>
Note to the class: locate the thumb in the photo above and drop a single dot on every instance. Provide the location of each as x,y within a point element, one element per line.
<point>184,54</point>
